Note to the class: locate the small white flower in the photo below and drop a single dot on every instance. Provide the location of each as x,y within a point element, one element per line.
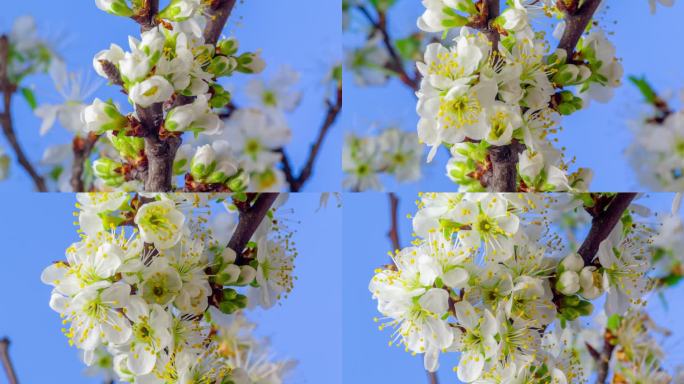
<point>160,223</point>
<point>156,89</point>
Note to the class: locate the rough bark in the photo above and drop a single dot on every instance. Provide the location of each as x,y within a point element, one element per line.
<point>249,220</point>
<point>217,15</point>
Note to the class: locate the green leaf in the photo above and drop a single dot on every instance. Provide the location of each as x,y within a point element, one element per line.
<point>645,88</point>
<point>30,97</point>
<point>613,322</point>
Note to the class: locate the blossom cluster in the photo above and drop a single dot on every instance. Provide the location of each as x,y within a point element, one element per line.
<point>492,276</point>
<point>657,151</point>
<point>393,151</point>
<point>152,292</point>
<point>475,94</point>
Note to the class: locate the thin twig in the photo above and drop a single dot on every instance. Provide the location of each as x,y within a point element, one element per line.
<point>8,90</point>
<point>397,63</point>
<point>394,215</point>
<point>7,362</point>
<point>147,15</point>
<point>82,148</point>
<point>297,182</point>
<point>249,220</point>
<point>604,357</point>
<point>217,15</point>
<point>606,216</point>
<point>393,235</point>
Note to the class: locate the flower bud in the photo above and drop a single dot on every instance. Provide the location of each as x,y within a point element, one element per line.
<point>228,255</point>
<point>101,116</point>
<point>239,182</point>
<point>222,66</point>
<point>220,97</point>
<point>109,171</point>
<point>247,275</point>
<point>228,275</point>
<point>573,262</point>
<point>591,282</point>
<point>232,301</point>
<point>115,7</point>
<point>134,66</point>
<point>568,283</point>
<point>181,163</point>
<point>250,63</point>
<point>129,147</point>
<point>566,75</point>
<point>224,169</point>
<point>180,10</point>
<point>228,47</point>
<point>203,163</point>
<point>152,44</point>
<point>113,55</point>
<point>156,89</point>
<point>180,118</point>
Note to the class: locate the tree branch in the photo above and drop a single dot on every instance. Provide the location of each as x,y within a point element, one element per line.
<point>147,15</point>
<point>604,357</point>
<point>7,362</point>
<point>296,182</point>
<point>249,220</point>
<point>8,90</point>
<point>393,235</point>
<point>396,64</point>
<point>160,151</point>
<point>606,216</point>
<point>82,149</point>
<point>217,15</point>
<point>576,22</point>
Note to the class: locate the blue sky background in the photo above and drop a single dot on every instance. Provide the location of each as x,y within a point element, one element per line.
<point>597,136</point>
<point>282,29</point>
<point>307,326</point>
<point>367,356</point>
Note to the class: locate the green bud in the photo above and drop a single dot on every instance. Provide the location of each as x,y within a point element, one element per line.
<point>228,47</point>
<point>220,97</point>
<point>239,182</point>
<point>250,63</point>
<point>109,171</point>
<point>222,66</point>
<point>129,147</point>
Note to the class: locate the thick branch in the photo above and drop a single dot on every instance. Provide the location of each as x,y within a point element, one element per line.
<point>576,23</point>
<point>7,362</point>
<point>7,89</point>
<point>160,151</point>
<point>296,182</point>
<point>605,219</point>
<point>82,148</point>
<point>249,221</point>
<point>217,15</point>
<point>396,63</point>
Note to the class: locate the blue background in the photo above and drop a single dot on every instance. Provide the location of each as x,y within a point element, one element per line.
<point>307,326</point>
<point>597,136</point>
<point>367,356</point>
<point>303,34</point>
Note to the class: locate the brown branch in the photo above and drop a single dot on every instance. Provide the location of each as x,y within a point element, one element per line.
<point>397,63</point>
<point>7,362</point>
<point>217,15</point>
<point>8,90</point>
<point>147,15</point>
<point>393,235</point>
<point>576,21</point>
<point>249,220</point>
<point>160,151</point>
<point>604,357</point>
<point>503,175</point>
<point>296,182</point>
<point>82,148</point>
<point>606,216</point>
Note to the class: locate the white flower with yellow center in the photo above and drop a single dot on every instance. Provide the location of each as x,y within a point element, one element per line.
<point>160,223</point>
<point>151,334</point>
<point>475,337</point>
